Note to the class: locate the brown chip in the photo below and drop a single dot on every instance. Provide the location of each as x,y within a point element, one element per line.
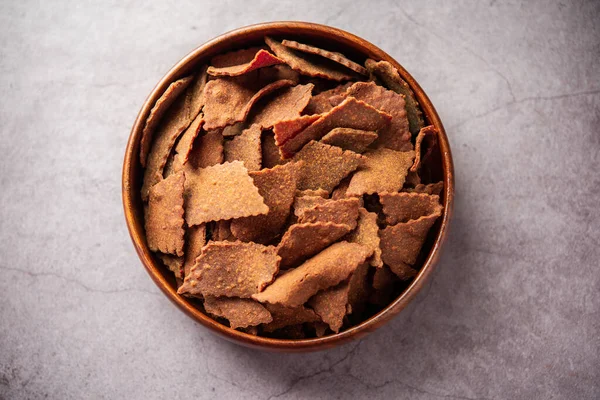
<point>222,232</point>
<point>285,130</point>
<point>396,135</point>
<point>306,65</point>
<point>310,192</point>
<point>284,105</point>
<point>383,170</point>
<point>157,112</point>
<point>403,271</point>
<point>233,130</point>
<point>246,148</point>
<point>331,305</point>
<point>359,289</point>
<point>326,269</point>
<point>207,151</point>
<point>231,269</point>
<point>229,100</point>
<point>412,179</point>
<point>403,206</point>
<point>344,211</point>
<point>305,202</point>
<point>351,113</point>
<point>240,313</point>
<point>270,151</point>
<point>333,56</point>
<point>350,139</point>
<point>277,186</point>
<point>287,316</point>
<point>431,188</point>
<point>164,217</point>
<point>401,243</point>
<point>325,166</point>
<point>392,80</point>
<point>174,263</point>
<point>424,133</point>
<point>186,142</point>
<point>241,62</point>
<point>223,191</point>
<point>367,234</point>
<point>278,72</point>
<point>301,241</point>
<point>320,104</point>
<point>195,240</point>
<point>320,328</point>
<point>384,282</point>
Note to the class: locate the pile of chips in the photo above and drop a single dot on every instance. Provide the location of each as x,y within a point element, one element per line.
<point>282,187</point>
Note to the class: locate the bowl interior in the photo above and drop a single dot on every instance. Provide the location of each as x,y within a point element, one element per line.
<point>329,38</point>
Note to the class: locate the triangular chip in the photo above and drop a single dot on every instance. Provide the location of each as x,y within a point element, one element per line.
<point>207,151</point>
<point>401,243</point>
<point>240,313</point>
<point>344,211</point>
<point>355,140</point>
<point>285,130</point>
<point>301,241</point>
<point>424,135</point>
<point>270,152</point>
<point>367,234</point>
<point>287,316</point>
<point>325,166</point>
<point>333,56</point>
<point>303,203</point>
<point>241,62</point>
<point>246,148</point>
<point>229,100</point>
<point>396,135</point>
<point>231,269</point>
<point>331,305</point>
<point>320,104</point>
<point>283,105</point>
<point>392,80</point>
<point>320,328</point>
<point>306,65</point>
<point>383,170</point>
<point>430,188</point>
<point>157,112</point>
<point>164,216</point>
<point>351,113</point>
<point>277,186</point>
<point>326,269</point>
<point>403,271</point>
<point>195,240</point>
<point>174,263</point>
<point>223,191</point>
<point>403,206</point>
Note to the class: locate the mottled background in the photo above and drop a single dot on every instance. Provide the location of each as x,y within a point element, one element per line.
<point>513,310</point>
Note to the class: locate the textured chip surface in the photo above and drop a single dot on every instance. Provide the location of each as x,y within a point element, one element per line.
<point>424,133</point>
<point>245,147</point>
<point>223,191</point>
<point>195,240</point>
<point>333,56</point>
<point>241,62</point>
<point>383,170</point>
<point>355,140</point>
<point>430,188</point>
<point>367,234</point>
<point>320,104</point>
<point>283,105</point>
<point>240,313</point>
<point>288,316</point>
<point>331,305</point>
<point>207,151</point>
<point>403,206</point>
<point>231,269</point>
<point>270,152</point>
<point>343,211</point>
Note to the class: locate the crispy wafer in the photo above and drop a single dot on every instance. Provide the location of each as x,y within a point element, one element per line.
<point>403,206</point>
<point>355,140</point>
<point>195,239</point>
<point>425,133</point>
<point>287,316</point>
<point>245,147</point>
<point>331,305</point>
<point>240,313</point>
<point>241,62</point>
<point>383,170</point>
<point>367,234</point>
<point>320,104</point>
<point>331,55</point>
<point>430,188</point>
<point>270,152</point>
<point>344,211</point>
<point>283,105</point>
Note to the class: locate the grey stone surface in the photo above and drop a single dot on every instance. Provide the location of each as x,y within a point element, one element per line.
<point>513,311</point>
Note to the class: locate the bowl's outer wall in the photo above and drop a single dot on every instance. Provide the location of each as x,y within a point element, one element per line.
<point>331,38</point>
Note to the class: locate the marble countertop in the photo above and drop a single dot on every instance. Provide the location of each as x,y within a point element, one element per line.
<point>512,311</point>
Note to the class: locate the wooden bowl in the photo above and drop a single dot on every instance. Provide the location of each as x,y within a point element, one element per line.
<point>332,39</point>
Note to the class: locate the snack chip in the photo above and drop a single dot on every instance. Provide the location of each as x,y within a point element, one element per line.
<point>277,187</point>
<point>246,148</point>
<point>241,62</point>
<point>396,135</point>
<point>310,192</point>
<point>331,305</point>
<point>270,151</point>
<point>240,313</point>
<point>320,328</point>
<point>186,141</point>
<point>222,231</point>
<point>344,211</point>
<point>157,112</point>
<point>301,241</point>
<point>305,202</point>
<point>320,104</point>
<point>428,131</point>
<point>285,130</point>
<point>383,170</point>
<point>412,179</point>
<point>233,130</point>
<point>278,72</point>
<point>431,188</point>
<point>355,140</point>
<point>367,234</point>
<point>391,78</point>
<point>223,191</point>
<point>325,166</point>
<point>284,105</point>
<point>164,216</point>
<point>207,151</point>
<point>174,263</point>
<point>403,206</point>
<point>311,67</point>
<point>328,268</point>
<point>231,269</point>
<point>195,240</point>
<point>384,281</point>
<point>351,113</point>
<point>288,316</point>
<point>333,56</point>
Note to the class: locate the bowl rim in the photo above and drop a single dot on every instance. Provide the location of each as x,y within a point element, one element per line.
<point>136,229</point>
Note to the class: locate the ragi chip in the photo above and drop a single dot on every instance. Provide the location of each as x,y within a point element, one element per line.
<point>246,148</point>
<point>174,263</point>
<point>320,104</point>
<point>207,151</point>
<point>231,269</point>
<point>288,316</point>
<point>186,141</point>
<point>355,140</point>
<point>344,211</point>
<point>305,202</point>
<point>223,191</point>
<point>241,62</point>
<point>403,206</point>
<point>195,240</point>
<point>430,188</point>
<point>285,130</point>
<point>428,133</point>
<point>222,231</point>
<point>331,305</point>
<point>328,268</point>
<point>164,217</point>
<point>270,152</point>
<point>383,170</point>
<point>367,234</point>
<point>240,313</point>
<point>283,105</point>
<point>333,56</point>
